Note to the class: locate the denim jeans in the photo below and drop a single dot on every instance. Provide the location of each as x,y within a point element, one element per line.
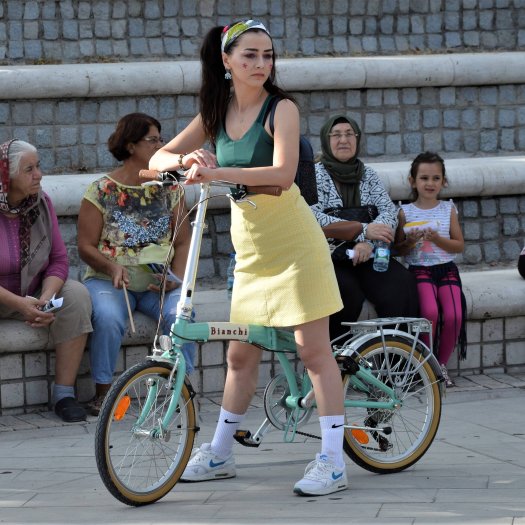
<point>110,320</point>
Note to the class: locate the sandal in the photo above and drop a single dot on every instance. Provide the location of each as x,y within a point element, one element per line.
<point>446,378</point>
<point>95,404</point>
<point>69,410</point>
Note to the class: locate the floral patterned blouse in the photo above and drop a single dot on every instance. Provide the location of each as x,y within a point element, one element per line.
<point>137,226</point>
<point>371,191</point>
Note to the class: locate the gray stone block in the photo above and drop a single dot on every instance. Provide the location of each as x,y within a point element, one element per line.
<point>370,26</point>
<point>391,97</point>
<point>22,113</point>
<point>488,208</point>
<point>103,48</point>
<point>32,49</point>
<point>84,29</point>
<point>44,137</point>
<point>31,30</point>
<point>11,367</point>
<point>375,145</point>
<point>471,230</point>
<point>447,96</point>
<point>340,45</point>
<point>102,9</point>
<point>452,140</point>
<point>15,31</point>
<point>323,46</point>
<point>490,230</point>
<point>492,252</point>
<point>135,27</point>
<point>506,117</point>
<point>409,96</point>
<point>488,141</point>
<point>470,209</point>
<point>119,9</point>
<point>416,42</point>
<point>431,118</point>
<point>403,25</point>
<point>452,39</point>
<point>412,143</point>
<point>509,205</point>
<point>435,41</point>
<point>31,10</point>
<point>472,254</point>
<point>489,40</point>
<point>189,48</point>
<point>401,43</point>
<point>486,20</point>
<point>471,141</point>
<point>374,123</point>
<point>370,44</point>
<point>511,226</point>
<point>487,118</point>
<point>412,119</point>
<point>323,26</point>
<point>138,46</point>
<point>469,118</point>
<point>511,250</point>
<point>386,24</point>
<point>508,140</point>
<point>433,141</point>
<point>353,99</point>
<point>393,145</point>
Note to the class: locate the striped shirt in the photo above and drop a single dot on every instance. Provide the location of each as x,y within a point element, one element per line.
<point>426,253</point>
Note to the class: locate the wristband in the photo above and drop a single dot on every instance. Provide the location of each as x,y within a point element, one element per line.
<point>181,166</point>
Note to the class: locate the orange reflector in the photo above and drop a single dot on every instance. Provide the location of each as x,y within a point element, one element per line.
<point>360,435</point>
<point>122,407</point>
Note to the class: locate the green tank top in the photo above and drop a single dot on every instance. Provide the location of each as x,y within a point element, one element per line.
<point>253,149</point>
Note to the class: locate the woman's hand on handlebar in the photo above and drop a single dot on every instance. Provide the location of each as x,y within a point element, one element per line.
<point>199,157</point>
<point>199,174</point>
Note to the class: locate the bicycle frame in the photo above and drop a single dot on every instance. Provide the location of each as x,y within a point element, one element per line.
<point>166,348</point>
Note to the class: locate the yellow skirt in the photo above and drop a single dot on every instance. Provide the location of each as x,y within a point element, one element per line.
<point>284,274</point>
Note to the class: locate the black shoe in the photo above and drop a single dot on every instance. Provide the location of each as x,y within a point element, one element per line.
<point>69,410</point>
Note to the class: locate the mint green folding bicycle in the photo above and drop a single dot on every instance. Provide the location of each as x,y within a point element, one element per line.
<point>147,425</point>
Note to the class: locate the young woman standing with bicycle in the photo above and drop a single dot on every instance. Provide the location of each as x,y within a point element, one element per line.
<point>284,276</point>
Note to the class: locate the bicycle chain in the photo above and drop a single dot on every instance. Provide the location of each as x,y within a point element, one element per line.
<point>307,435</point>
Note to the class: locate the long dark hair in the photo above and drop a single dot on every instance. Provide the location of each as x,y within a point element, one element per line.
<point>215,93</point>
<point>428,157</point>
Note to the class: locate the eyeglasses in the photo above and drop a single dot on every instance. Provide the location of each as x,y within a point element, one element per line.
<point>154,140</point>
<point>339,136</point>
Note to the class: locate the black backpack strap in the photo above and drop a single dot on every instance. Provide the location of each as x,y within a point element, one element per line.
<point>270,110</point>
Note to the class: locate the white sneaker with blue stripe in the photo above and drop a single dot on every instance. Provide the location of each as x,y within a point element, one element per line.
<point>207,466</point>
<point>321,478</point>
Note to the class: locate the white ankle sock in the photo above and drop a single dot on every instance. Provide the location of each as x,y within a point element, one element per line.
<point>222,442</point>
<point>332,431</point>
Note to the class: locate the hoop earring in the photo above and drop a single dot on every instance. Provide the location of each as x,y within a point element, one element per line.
<point>228,75</point>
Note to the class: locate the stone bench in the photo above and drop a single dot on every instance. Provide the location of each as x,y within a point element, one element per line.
<point>495,329</point>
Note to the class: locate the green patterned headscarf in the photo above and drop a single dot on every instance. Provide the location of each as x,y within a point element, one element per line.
<point>233,32</point>
<point>347,175</point>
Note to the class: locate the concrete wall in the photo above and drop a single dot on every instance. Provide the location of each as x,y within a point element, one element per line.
<point>72,31</point>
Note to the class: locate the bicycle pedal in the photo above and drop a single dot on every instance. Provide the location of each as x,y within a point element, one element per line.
<point>244,437</point>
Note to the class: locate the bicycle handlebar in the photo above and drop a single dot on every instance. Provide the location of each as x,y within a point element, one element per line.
<point>175,176</point>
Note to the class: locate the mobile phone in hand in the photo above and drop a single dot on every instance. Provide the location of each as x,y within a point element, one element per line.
<point>53,304</point>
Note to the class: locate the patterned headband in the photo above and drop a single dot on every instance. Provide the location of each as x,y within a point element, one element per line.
<point>233,32</point>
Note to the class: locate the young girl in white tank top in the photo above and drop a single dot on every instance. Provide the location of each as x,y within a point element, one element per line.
<point>429,236</point>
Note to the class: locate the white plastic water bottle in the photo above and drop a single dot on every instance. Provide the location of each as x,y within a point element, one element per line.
<point>230,277</point>
<point>381,256</point>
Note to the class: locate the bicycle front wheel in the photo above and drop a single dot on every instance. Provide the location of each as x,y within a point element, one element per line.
<point>404,433</point>
<point>138,461</point>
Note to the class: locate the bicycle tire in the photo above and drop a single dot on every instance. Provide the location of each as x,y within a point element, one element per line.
<point>413,426</point>
<point>136,467</point>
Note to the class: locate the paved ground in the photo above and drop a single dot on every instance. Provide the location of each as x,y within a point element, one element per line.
<point>473,473</point>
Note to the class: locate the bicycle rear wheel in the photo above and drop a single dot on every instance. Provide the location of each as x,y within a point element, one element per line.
<point>138,462</point>
<point>405,433</point>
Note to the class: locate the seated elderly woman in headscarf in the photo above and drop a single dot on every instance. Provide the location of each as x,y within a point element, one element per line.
<point>34,268</point>
<point>344,182</point>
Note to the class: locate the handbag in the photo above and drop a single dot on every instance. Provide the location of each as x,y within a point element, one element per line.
<point>364,214</point>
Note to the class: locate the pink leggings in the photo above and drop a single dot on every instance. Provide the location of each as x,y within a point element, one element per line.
<point>441,302</point>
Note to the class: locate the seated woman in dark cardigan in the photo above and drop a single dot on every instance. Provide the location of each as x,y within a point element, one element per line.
<point>344,181</point>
